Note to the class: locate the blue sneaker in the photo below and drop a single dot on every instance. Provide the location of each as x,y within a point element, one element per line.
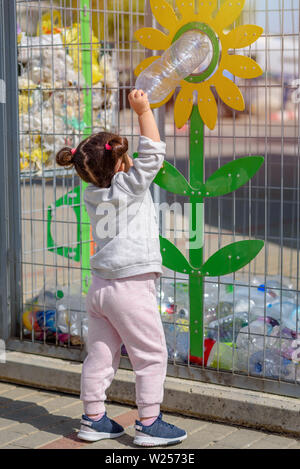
<point>92,430</point>
<point>158,434</point>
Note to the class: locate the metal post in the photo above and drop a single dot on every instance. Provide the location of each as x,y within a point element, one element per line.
<point>10,226</point>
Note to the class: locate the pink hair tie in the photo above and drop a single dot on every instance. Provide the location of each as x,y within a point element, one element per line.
<point>73,151</point>
<point>108,147</point>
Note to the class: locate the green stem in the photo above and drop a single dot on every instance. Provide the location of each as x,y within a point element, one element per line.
<point>86,61</point>
<point>196,233</point>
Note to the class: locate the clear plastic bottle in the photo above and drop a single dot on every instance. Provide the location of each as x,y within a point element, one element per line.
<point>255,296</point>
<point>222,356</point>
<point>71,312</point>
<point>255,336</point>
<point>271,365</point>
<point>177,339</point>
<point>227,328</point>
<point>180,60</point>
<point>286,312</point>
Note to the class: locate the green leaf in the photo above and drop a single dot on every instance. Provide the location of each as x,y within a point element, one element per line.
<point>172,258</point>
<point>170,179</point>
<point>232,258</point>
<point>232,176</point>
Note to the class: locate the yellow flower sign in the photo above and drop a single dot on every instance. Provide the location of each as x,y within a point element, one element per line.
<point>213,26</point>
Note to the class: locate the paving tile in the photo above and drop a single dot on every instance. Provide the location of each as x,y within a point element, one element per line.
<point>218,446</point>
<point>130,431</point>
<point>220,428</point>
<point>40,438</point>
<point>296,446</point>
<point>58,403</point>
<point>273,442</point>
<point>242,438</point>
<point>38,398</point>
<point>12,408</point>
<point>128,418</point>
<point>39,416</point>
<point>35,419</point>
<point>70,441</point>
<point>12,446</point>
<point>6,422</point>
<point>202,438</point>
<point>6,387</point>
<point>15,411</point>
<point>43,423</point>
<point>16,394</point>
<point>62,400</point>
<point>188,424</point>
<point>8,436</point>
<point>24,413</point>
<point>113,409</point>
<point>72,410</point>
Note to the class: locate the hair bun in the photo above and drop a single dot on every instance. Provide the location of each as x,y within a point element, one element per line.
<point>64,157</point>
<point>119,145</point>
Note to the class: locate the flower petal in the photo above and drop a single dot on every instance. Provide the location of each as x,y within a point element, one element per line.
<point>241,66</point>
<point>229,93</point>
<point>183,106</point>
<point>164,14</point>
<point>206,7</point>
<point>145,63</point>
<point>242,36</point>
<point>227,14</point>
<point>154,106</point>
<point>186,7</point>
<point>207,106</point>
<point>152,39</point>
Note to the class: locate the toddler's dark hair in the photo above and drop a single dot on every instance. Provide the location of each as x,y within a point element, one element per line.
<point>92,161</point>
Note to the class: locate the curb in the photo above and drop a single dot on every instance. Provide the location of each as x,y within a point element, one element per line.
<point>191,398</point>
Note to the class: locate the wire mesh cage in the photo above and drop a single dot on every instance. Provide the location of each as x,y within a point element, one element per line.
<point>250,318</point>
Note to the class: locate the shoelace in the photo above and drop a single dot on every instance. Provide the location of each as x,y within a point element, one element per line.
<point>165,423</point>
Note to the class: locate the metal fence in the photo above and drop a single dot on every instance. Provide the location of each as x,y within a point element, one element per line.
<point>250,318</point>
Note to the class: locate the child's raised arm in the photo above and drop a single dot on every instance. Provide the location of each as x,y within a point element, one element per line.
<point>139,103</point>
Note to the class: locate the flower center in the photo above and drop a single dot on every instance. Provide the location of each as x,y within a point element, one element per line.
<point>214,55</point>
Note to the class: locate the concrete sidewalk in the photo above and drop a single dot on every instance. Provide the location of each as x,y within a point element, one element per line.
<point>31,418</point>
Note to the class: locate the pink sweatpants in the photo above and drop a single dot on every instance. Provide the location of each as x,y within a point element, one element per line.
<point>124,311</point>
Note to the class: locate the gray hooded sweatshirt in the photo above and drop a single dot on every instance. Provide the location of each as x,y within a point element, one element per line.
<point>123,218</point>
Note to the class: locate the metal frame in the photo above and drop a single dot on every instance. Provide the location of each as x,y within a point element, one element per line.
<point>10,232</point>
<point>10,226</point>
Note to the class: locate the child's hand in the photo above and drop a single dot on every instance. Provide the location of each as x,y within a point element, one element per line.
<point>138,101</point>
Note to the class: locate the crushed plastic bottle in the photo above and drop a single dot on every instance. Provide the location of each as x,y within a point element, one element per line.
<point>286,343</point>
<point>271,365</point>
<point>57,310</point>
<point>227,328</point>
<point>178,62</point>
<point>71,311</point>
<point>177,339</point>
<point>287,313</point>
<point>222,356</point>
<point>257,336</point>
<point>256,296</point>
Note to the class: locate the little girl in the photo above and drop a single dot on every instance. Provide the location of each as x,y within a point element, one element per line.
<point>121,302</point>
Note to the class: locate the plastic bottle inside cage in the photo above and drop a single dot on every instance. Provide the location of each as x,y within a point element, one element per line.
<point>177,62</point>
